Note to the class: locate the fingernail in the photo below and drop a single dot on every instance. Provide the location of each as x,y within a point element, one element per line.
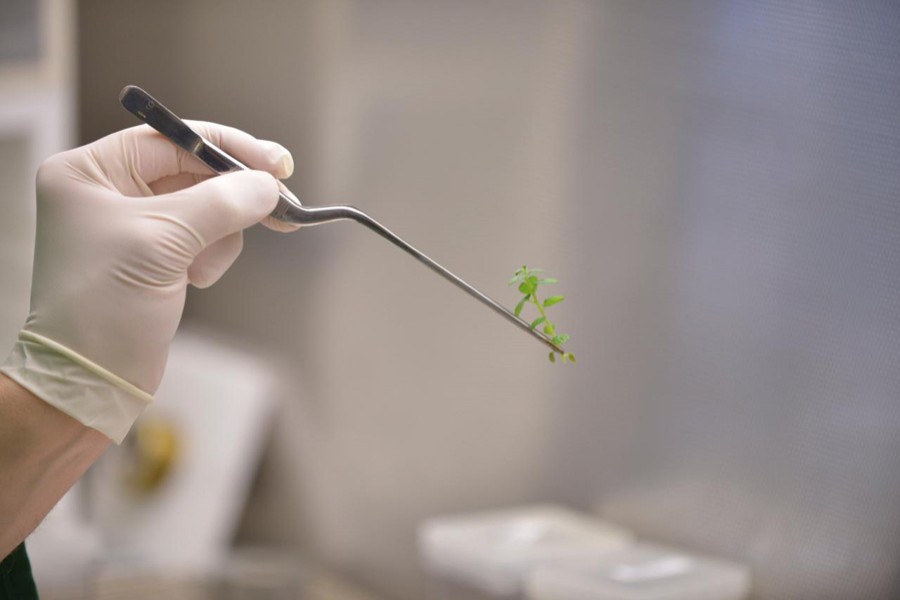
<point>281,160</point>
<point>286,165</point>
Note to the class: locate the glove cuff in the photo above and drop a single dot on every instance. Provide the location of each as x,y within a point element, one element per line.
<point>76,386</point>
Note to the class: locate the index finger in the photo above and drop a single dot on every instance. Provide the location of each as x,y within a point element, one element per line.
<point>148,156</point>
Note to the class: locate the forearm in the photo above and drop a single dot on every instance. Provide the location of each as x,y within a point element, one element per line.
<point>43,452</point>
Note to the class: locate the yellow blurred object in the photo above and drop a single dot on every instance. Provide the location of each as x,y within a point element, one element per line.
<point>155,447</point>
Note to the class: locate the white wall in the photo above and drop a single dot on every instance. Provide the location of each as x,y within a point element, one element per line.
<point>658,158</point>
<point>454,125</point>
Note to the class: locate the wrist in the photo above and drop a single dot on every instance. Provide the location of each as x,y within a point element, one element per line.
<point>74,385</point>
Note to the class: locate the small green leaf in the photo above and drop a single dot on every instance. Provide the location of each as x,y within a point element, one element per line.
<point>560,339</point>
<point>538,321</point>
<point>564,357</point>
<point>514,279</point>
<point>571,357</point>
<point>548,280</point>
<point>549,328</point>
<point>553,357</point>
<point>526,288</point>
<point>520,306</point>
<point>553,300</point>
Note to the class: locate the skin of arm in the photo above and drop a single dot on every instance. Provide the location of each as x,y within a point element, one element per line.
<point>43,452</point>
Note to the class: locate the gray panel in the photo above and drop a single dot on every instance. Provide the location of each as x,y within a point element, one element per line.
<point>19,30</point>
<point>773,431</point>
<point>16,237</point>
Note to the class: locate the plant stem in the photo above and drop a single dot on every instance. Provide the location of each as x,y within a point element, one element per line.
<point>540,307</point>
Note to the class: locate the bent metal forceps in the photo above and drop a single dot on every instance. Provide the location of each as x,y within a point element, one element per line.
<point>151,111</point>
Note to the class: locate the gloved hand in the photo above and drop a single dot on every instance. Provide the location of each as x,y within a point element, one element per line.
<point>123,225</point>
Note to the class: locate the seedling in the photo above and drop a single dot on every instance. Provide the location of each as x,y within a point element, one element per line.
<point>529,281</point>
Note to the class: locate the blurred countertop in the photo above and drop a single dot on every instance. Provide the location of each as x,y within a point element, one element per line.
<point>319,584</point>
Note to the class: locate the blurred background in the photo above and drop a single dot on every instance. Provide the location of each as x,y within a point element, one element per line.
<point>716,185</point>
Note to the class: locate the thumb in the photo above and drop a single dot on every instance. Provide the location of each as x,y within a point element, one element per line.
<point>223,205</point>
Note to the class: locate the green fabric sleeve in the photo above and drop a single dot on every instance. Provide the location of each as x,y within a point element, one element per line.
<point>16,581</point>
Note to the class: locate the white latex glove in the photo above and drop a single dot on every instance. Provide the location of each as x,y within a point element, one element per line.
<point>123,225</point>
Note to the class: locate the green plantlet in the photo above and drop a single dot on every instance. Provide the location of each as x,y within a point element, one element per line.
<point>527,281</point>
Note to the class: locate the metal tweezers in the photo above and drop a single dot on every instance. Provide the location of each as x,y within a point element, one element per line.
<point>151,111</point>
